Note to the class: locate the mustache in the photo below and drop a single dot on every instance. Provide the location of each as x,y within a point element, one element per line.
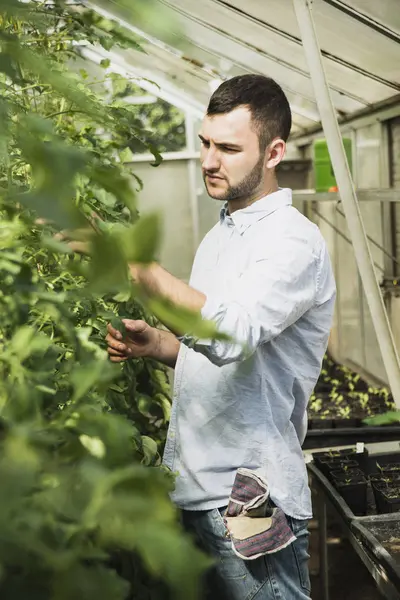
<point>211,174</point>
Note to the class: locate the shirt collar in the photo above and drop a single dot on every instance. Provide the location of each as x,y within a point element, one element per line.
<point>245,217</point>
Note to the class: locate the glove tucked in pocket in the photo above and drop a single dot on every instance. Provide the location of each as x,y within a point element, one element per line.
<point>254,527</point>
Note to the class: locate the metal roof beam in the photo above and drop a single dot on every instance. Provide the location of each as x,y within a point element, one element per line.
<point>375,113</point>
<point>295,39</point>
<point>259,51</point>
<point>364,19</point>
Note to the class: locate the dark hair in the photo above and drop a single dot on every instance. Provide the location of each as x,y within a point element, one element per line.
<point>268,105</point>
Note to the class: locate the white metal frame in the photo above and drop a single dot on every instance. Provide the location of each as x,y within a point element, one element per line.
<point>192,167</point>
<point>303,10</point>
<point>356,121</point>
<point>170,156</point>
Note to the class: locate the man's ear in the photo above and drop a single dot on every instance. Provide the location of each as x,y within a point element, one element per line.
<point>275,153</point>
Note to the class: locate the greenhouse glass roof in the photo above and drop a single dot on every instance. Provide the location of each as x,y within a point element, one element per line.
<point>217,39</point>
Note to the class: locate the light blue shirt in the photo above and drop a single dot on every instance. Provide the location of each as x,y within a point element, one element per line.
<point>268,280</point>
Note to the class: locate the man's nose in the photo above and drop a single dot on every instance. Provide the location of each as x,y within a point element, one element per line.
<point>210,160</point>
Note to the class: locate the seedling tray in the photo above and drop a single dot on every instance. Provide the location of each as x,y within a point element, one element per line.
<point>377,536</point>
<point>329,438</point>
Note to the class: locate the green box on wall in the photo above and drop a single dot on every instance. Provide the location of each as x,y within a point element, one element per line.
<point>323,171</point>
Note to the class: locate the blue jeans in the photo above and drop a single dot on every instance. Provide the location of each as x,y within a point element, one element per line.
<point>280,576</point>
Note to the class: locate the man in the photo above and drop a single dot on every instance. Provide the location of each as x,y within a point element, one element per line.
<point>263,275</point>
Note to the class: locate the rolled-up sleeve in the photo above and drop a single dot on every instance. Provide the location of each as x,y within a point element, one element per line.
<point>266,299</point>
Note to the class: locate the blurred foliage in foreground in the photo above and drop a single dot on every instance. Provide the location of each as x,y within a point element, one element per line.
<point>83,502</point>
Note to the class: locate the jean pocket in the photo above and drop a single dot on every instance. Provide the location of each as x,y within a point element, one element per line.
<point>228,563</point>
<point>300,551</point>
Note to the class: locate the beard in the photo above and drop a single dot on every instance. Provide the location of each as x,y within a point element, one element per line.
<point>249,184</point>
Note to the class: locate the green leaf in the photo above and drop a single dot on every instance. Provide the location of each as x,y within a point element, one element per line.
<point>150,450</point>
<point>105,63</point>
<point>84,377</point>
<point>176,560</point>
<point>112,180</point>
<point>94,445</point>
<point>119,84</point>
<point>384,419</point>
<point>66,84</point>
<point>185,321</point>
<point>55,245</point>
<point>125,155</point>
<point>141,242</point>
<point>90,582</point>
<point>27,341</point>
<point>117,323</point>
<point>108,270</point>
<point>54,166</point>
<point>157,155</point>
<point>4,129</point>
<point>7,66</point>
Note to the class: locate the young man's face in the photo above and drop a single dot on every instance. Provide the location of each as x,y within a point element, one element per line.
<point>232,164</point>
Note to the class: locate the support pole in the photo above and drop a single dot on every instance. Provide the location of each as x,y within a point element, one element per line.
<point>348,196</point>
<point>192,166</point>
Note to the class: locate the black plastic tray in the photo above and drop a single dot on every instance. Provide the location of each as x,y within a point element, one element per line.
<point>371,530</point>
<point>367,531</point>
<point>324,438</point>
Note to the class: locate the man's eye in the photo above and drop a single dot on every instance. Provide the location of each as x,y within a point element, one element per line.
<point>227,149</point>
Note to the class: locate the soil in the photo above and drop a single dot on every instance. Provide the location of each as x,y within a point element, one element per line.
<point>345,399</point>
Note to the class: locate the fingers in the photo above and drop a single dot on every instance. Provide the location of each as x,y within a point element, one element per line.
<point>77,234</point>
<point>113,355</point>
<point>134,326</point>
<point>116,345</point>
<point>118,359</point>
<point>79,247</point>
<point>131,325</point>
<point>79,243</point>
<point>115,352</point>
<point>114,332</point>
<point>94,220</point>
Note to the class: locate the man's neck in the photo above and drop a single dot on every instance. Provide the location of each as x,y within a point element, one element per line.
<point>239,203</point>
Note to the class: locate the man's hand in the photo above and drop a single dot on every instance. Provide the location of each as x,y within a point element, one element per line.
<point>140,341</point>
<point>79,240</point>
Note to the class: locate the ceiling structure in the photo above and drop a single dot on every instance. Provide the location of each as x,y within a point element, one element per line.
<point>217,39</point>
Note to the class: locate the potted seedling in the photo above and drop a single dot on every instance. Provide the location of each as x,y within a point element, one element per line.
<point>323,460</point>
<point>387,495</point>
<point>352,486</point>
<point>327,465</point>
<point>390,502</point>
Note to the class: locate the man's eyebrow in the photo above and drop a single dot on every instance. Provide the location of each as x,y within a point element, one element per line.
<point>228,144</point>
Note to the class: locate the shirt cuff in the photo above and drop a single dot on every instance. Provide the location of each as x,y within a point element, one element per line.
<point>208,313</point>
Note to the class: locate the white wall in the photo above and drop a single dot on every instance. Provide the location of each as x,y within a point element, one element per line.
<point>166,189</point>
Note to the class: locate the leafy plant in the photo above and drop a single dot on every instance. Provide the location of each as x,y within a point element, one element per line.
<point>82,494</point>
<point>386,418</point>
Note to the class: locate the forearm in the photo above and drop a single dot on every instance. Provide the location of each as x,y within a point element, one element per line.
<point>157,282</point>
<point>166,349</point>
